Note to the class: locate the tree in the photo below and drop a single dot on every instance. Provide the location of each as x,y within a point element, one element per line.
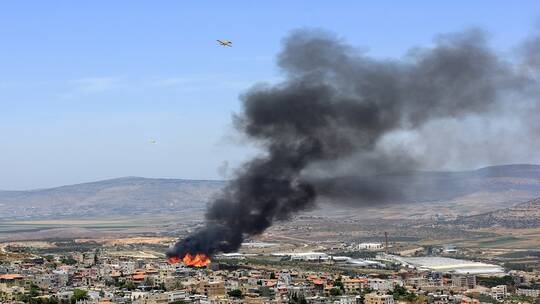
<point>485,298</point>
<point>42,301</point>
<point>338,284</point>
<point>68,261</point>
<point>294,299</point>
<point>335,291</point>
<point>401,293</point>
<point>149,281</point>
<point>129,285</point>
<point>494,281</point>
<point>236,293</point>
<point>264,291</point>
<point>79,294</point>
<point>96,254</point>
<point>34,290</point>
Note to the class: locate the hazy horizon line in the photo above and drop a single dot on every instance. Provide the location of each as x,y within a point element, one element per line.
<point>225,180</point>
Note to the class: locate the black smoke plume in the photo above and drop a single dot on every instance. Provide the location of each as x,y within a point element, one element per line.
<point>336,112</point>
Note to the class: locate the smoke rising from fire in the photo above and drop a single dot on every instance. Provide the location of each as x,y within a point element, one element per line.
<point>340,112</point>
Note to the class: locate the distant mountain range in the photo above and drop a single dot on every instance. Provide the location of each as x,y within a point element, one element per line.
<point>430,186</point>
<point>125,196</point>
<point>480,190</point>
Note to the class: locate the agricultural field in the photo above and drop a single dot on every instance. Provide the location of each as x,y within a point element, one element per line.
<point>70,229</point>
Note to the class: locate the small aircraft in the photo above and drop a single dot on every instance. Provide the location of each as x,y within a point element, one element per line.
<point>153,141</point>
<point>225,43</point>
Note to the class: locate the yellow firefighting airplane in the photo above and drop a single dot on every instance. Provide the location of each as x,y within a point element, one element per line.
<point>225,43</point>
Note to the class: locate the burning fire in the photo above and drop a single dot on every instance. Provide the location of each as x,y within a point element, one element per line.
<point>174,260</point>
<point>198,260</point>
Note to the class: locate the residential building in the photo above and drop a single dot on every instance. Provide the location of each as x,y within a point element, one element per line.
<point>499,292</point>
<point>464,281</point>
<point>376,298</point>
<point>534,293</point>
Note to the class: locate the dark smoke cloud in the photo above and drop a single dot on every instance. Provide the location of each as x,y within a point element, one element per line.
<point>340,111</point>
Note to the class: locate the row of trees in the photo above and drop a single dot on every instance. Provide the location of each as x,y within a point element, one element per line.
<point>33,297</point>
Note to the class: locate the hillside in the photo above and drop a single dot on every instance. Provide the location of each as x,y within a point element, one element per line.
<point>426,186</point>
<point>116,197</point>
<point>415,195</point>
<point>525,215</point>
<point>424,195</point>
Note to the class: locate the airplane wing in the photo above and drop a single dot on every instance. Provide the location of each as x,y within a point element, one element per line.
<point>225,43</point>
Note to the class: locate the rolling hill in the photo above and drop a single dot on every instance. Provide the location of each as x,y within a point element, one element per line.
<point>116,197</point>
<point>524,215</point>
<point>465,193</point>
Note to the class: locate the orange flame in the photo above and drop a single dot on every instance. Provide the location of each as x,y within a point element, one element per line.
<point>174,260</point>
<point>198,260</point>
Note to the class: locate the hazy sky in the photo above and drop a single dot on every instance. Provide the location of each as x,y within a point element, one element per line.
<point>84,86</point>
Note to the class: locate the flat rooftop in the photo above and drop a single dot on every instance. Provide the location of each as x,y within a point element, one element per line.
<point>450,265</point>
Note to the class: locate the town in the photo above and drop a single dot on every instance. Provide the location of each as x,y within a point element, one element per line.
<point>260,273</point>
<point>270,152</point>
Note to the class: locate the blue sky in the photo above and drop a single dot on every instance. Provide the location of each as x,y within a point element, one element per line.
<point>84,85</point>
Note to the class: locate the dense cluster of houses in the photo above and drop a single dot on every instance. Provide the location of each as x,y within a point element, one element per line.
<point>100,278</point>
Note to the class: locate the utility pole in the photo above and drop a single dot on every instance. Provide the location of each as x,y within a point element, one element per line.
<point>386,242</point>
